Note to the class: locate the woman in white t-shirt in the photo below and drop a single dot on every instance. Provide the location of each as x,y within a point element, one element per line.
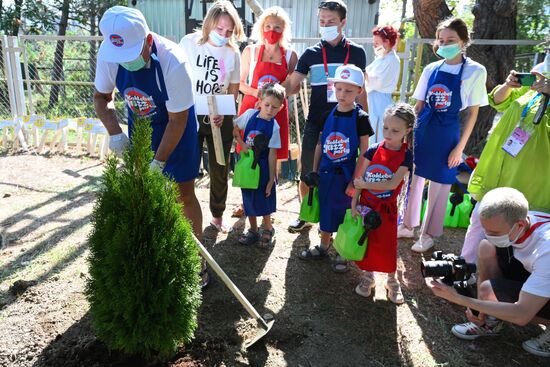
<point>214,58</point>
<point>382,77</point>
<point>445,88</point>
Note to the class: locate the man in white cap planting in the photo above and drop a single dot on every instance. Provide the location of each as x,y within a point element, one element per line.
<point>150,73</point>
<point>344,129</point>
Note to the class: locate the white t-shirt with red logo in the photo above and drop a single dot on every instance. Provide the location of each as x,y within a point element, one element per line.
<point>472,89</point>
<point>213,68</point>
<point>534,254</point>
<point>175,70</point>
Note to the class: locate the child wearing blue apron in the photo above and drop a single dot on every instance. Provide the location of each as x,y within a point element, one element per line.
<point>147,98</point>
<point>451,85</point>
<point>336,157</point>
<point>261,202</point>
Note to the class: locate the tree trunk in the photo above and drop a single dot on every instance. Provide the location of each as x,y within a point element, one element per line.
<point>428,14</point>
<point>493,20</point>
<point>16,21</point>
<point>58,56</point>
<point>92,54</point>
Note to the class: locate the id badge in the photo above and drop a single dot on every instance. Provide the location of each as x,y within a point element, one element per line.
<point>516,141</point>
<point>331,95</point>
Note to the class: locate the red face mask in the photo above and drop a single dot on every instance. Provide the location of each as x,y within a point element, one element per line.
<point>272,37</point>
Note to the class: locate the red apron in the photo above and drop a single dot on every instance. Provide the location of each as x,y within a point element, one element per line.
<point>381,252</point>
<point>269,72</point>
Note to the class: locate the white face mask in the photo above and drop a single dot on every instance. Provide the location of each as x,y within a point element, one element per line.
<point>329,33</point>
<point>379,51</point>
<point>218,40</point>
<point>503,241</point>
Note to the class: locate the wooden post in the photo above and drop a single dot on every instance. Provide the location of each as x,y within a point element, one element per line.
<point>298,135</point>
<point>216,133</point>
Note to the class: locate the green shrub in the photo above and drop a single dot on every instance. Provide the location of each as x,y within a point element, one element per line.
<point>144,288</point>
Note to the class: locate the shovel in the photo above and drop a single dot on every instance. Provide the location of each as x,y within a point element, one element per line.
<point>265,326</point>
<point>260,144</point>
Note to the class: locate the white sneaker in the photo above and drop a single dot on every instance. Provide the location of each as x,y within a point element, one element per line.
<point>470,331</point>
<point>539,346</point>
<point>404,232</point>
<point>423,244</point>
<point>365,287</point>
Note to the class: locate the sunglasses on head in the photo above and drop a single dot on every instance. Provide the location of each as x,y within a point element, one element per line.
<point>383,31</point>
<point>330,5</point>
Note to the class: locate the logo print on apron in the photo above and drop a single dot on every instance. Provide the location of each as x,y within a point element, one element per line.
<point>336,146</point>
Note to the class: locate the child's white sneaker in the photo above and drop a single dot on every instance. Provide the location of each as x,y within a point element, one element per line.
<point>423,244</point>
<point>404,232</point>
<point>365,287</point>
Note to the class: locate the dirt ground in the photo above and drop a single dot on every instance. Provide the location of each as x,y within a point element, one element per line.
<point>45,208</point>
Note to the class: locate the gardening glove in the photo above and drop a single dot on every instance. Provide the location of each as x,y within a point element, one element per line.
<point>157,165</point>
<point>118,143</point>
<point>312,179</point>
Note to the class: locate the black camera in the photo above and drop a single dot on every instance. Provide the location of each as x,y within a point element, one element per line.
<point>449,267</point>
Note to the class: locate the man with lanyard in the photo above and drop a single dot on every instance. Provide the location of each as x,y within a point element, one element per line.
<point>513,271</point>
<point>322,60</point>
<point>150,72</point>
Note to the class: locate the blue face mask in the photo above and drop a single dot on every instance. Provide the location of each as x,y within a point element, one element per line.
<point>135,65</point>
<point>449,51</point>
<point>217,40</point>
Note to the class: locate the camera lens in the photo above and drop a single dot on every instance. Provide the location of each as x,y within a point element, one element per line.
<point>436,268</point>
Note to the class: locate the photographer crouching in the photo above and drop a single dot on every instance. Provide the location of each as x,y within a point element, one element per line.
<point>513,271</point>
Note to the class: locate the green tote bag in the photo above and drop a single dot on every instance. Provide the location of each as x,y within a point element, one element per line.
<point>244,176</point>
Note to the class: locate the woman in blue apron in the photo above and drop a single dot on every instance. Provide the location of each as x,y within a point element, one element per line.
<point>438,145</point>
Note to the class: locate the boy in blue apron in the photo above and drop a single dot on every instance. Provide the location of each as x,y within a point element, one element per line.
<point>345,130</point>
<point>149,71</point>
<point>261,202</point>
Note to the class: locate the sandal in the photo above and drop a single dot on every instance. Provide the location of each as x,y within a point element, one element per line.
<point>204,275</point>
<point>249,238</point>
<point>339,264</point>
<point>393,291</point>
<point>267,238</point>
<point>313,253</point>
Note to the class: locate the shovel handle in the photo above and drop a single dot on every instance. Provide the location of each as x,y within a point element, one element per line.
<point>363,238</point>
<point>232,287</point>
<point>310,197</point>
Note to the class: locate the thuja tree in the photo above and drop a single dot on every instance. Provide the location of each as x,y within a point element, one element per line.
<point>144,288</point>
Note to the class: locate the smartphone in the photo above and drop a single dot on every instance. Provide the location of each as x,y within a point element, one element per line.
<point>526,79</point>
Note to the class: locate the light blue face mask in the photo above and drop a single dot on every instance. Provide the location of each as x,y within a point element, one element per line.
<point>217,40</point>
<point>135,65</point>
<point>449,51</point>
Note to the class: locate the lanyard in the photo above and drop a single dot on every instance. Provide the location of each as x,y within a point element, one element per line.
<point>529,105</point>
<point>533,227</point>
<point>325,64</point>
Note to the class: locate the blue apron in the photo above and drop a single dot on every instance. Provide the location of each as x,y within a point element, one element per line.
<point>145,95</point>
<point>254,201</point>
<point>437,130</point>
<point>339,142</point>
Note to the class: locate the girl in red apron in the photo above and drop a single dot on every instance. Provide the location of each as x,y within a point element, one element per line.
<point>382,175</point>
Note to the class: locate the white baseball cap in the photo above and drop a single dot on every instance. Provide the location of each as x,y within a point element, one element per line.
<point>124,30</point>
<point>350,74</point>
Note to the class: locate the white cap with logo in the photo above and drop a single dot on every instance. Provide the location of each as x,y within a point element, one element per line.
<point>350,74</point>
<point>124,30</point>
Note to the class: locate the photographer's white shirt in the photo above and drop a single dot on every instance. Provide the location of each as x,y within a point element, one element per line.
<point>534,254</point>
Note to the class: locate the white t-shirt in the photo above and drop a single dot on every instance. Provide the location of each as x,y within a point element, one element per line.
<point>242,121</point>
<point>174,69</point>
<point>383,73</point>
<point>534,254</point>
<point>472,90</point>
<point>214,68</point>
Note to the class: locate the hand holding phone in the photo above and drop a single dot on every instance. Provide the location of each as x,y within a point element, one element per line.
<point>526,79</point>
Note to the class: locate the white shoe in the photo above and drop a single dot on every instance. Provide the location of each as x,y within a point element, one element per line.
<point>423,244</point>
<point>470,331</point>
<point>539,346</point>
<point>404,232</point>
<point>365,287</point>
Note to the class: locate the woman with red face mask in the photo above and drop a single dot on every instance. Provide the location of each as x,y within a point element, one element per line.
<point>269,60</point>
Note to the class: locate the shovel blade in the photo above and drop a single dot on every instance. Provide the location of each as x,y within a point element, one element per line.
<point>262,331</point>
